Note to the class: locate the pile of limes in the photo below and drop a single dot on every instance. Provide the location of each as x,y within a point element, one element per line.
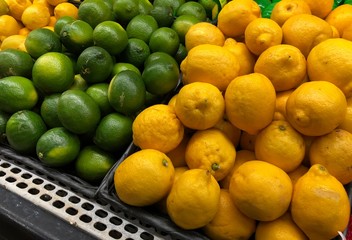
<point>74,77</point>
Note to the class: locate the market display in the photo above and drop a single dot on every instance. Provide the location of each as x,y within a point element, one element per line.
<point>225,119</point>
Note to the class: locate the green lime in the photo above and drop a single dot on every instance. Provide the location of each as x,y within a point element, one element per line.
<point>125,10</point>
<point>210,7</point>
<point>163,15</point>
<point>94,12</point>
<point>181,53</point>
<point>160,75</point>
<point>126,92</point>
<point>73,58</point>
<point>78,112</point>
<point>174,4</point>
<point>48,110</point>
<point>135,52</point>
<point>62,21</point>
<point>99,92</point>
<point>182,24</point>
<point>23,129</point>
<point>53,73</point>
<point>93,164</point>
<point>15,62</point>
<point>4,117</point>
<point>114,132</point>
<point>111,36</point>
<point>164,39</point>
<point>120,66</point>
<point>79,83</point>
<point>58,147</point>
<point>95,64</point>
<point>141,26</point>
<point>17,93</point>
<point>144,6</point>
<point>76,36</point>
<point>42,40</point>
<point>193,8</point>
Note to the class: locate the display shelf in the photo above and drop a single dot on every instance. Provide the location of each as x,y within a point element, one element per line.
<point>39,207</point>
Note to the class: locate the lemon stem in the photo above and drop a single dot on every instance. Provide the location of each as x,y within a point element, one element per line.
<point>165,162</point>
<point>215,166</point>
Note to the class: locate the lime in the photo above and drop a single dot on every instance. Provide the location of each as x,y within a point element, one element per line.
<point>160,75</point>
<point>17,93</point>
<point>174,4</point>
<point>48,110</point>
<point>181,53</point>
<point>58,147</point>
<point>210,6</point>
<point>99,92</point>
<point>42,40</point>
<point>164,39</point>
<point>126,92</point>
<point>114,132</point>
<point>53,73</point>
<point>193,8</point>
<point>120,66</point>
<point>4,117</point>
<point>95,64</point>
<point>93,164</point>
<point>111,36</point>
<point>163,15</point>
<point>182,24</point>
<point>15,62</point>
<point>79,83</point>
<point>144,6</point>
<point>135,52</point>
<point>125,10</point>
<point>141,26</point>
<point>76,36</point>
<point>94,12</point>
<point>62,21</point>
<point>78,112</point>
<point>23,129</point>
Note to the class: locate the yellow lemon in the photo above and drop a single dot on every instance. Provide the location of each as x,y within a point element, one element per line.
<point>15,42</point>
<point>347,122</point>
<point>340,17</point>
<point>144,177</point>
<point>66,9</point>
<point>316,108</point>
<point>36,16</point>
<point>250,102</point>
<point>8,26</point>
<point>320,204</point>
<point>261,190</point>
<point>280,106</point>
<point>210,63</point>
<point>199,105</point>
<point>157,127</point>
<point>322,9</point>
<point>297,173</point>
<point>229,223</point>
<point>211,150</point>
<point>17,7</point>
<point>177,155</point>
<point>232,132</point>
<point>247,141</point>
<point>285,9</point>
<point>194,199</point>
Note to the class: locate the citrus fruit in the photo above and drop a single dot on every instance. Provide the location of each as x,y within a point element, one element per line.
<point>141,26</point>
<point>15,62</point>
<point>76,36</point>
<point>283,10</point>
<point>145,6</point>
<point>144,177</point>
<point>114,132</point>
<point>66,9</point>
<point>182,24</point>
<point>79,83</point>
<point>340,17</point>
<point>60,22</point>
<point>316,108</point>
<point>48,110</point>
<point>125,10</point>
<point>163,15</point>
<point>95,64</point>
<point>14,42</point>
<point>161,73</point>
<point>322,9</point>
<point>192,8</point>
<point>122,66</point>
<point>174,4</point>
<point>338,51</point>
<point>199,105</point>
<point>288,66</point>
<point>157,127</point>
<point>315,192</point>
<point>346,124</point>
<point>194,199</point>
<point>280,105</point>
<point>57,147</point>
<point>53,73</point>
<point>211,150</point>
<point>42,40</point>
<point>23,129</point>
<point>77,111</point>
<point>8,25</point>
<point>99,92</point>
<point>92,164</point>
<point>330,150</point>
<point>94,12</point>
<point>210,63</point>
<point>181,54</point>
<point>111,36</point>
<point>18,93</point>
<point>177,155</point>
<point>261,190</point>
<point>232,132</point>
<point>229,222</point>
<point>126,92</point>
<point>136,52</point>
<point>245,105</point>
<point>35,16</point>
<point>297,173</point>
<point>164,39</point>
<point>16,8</point>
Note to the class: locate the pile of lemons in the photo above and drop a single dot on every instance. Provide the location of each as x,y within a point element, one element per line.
<point>257,140</point>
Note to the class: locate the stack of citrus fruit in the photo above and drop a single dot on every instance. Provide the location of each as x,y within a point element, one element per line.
<point>256,142</point>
